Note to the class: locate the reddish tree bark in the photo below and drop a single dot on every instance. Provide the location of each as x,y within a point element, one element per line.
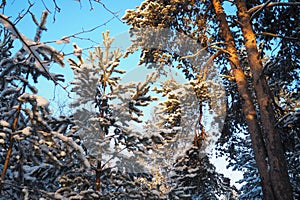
<point>247,103</point>
<point>276,159</point>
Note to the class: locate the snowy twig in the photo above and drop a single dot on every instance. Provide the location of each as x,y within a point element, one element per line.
<point>49,194</point>
<point>73,144</point>
<point>11,27</point>
<point>83,49</point>
<point>30,47</point>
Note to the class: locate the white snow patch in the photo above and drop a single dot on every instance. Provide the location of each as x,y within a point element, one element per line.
<point>41,101</point>
<point>26,131</point>
<point>4,123</point>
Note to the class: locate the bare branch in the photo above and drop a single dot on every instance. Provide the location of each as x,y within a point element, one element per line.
<point>204,70</point>
<point>75,35</point>
<point>56,9</point>
<point>221,49</point>
<point>260,9</point>
<point>21,16</point>
<point>3,4</point>
<point>107,9</point>
<point>45,6</point>
<point>203,49</point>
<point>267,5</point>
<point>279,36</point>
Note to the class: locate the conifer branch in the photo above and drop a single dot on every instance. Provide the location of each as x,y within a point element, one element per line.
<point>30,47</point>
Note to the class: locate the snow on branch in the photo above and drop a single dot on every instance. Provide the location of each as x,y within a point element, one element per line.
<point>34,48</point>
<point>74,145</point>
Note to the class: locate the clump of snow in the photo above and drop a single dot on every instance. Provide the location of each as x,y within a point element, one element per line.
<point>41,101</point>
<point>26,131</point>
<point>4,123</point>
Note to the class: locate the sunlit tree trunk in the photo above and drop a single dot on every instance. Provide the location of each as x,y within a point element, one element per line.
<point>276,159</point>
<point>247,103</point>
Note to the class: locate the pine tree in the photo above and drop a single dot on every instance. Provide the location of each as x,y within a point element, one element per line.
<point>105,110</point>
<point>244,30</point>
<point>35,150</point>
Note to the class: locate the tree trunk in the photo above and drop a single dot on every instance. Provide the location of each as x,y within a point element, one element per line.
<point>258,145</point>
<point>276,159</point>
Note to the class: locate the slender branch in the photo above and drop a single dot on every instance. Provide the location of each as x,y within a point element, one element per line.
<point>21,16</point>
<point>11,137</point>
<point>46,6</point>
<point>75,35</point>
<point>199,137</point>
<point>204,70</point>
<point>113,13</point>
<point>98,175</point>
<point>21,38</point>
<point>203,49</point>
<point>222,50</point>
<point>260,9</point>
<point>83,49</point>
<point>3,4</point>
<point>9,25</point>
<point>252,10</point>
<point>56,9</point>
<point>9,151</point>
<point>279,36</point>
<point>91,5</point>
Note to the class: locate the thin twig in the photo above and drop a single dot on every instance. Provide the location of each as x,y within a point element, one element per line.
<point>113,13</point>
<point>46,6</point>
<point>11,137</point>
<point>252,10</point>
<point>83,32</point>
<point>56,9</point>
<point>3,4</point>
<point>279,36</point>
<point>204,70</point>
<point>260,9</point>
<point>21,16</point>
<point>203,49</point>
<point>91,5</point>
<point>83,49</point>
<point>21,38</point>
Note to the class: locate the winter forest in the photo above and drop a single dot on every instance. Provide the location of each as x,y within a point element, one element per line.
<point>189,87</point>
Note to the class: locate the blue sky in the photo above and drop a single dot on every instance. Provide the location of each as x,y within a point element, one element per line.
<point>74,17</point>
